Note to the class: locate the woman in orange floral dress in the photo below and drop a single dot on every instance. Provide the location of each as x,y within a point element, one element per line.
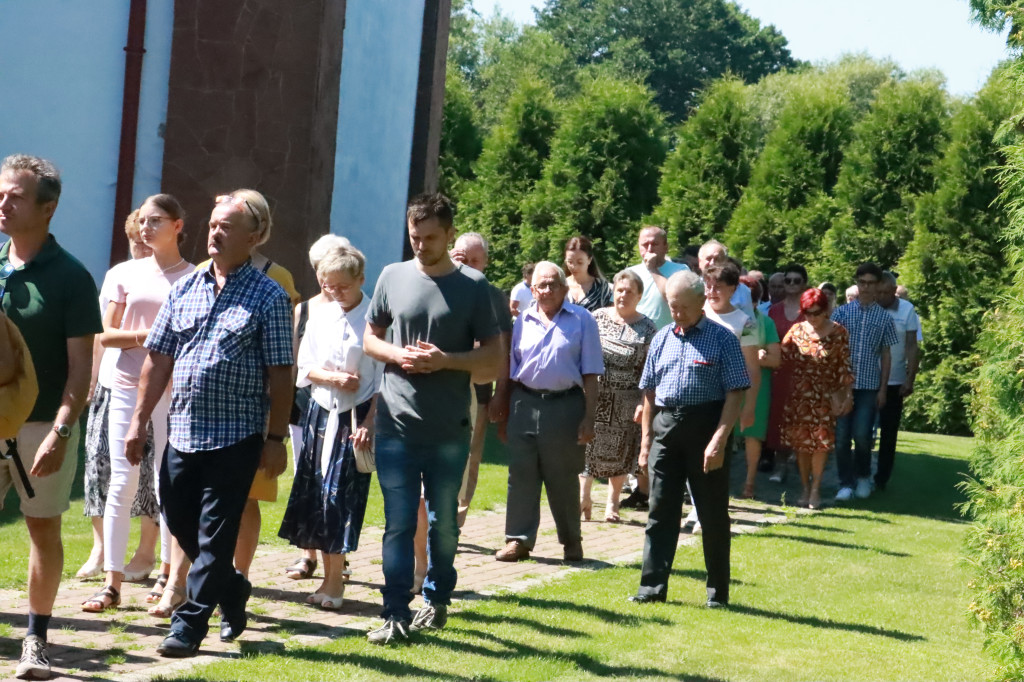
<point>818,353</point>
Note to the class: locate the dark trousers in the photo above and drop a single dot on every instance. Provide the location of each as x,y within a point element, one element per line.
<point>542,449</point>
<point>889,426</point>
<point>677,458</point>
<point>203,495</point>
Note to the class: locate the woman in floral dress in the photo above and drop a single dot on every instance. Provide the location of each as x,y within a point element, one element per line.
<point>817,351</point>
<point>625,336</point>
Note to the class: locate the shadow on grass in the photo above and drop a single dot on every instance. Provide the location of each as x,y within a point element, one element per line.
<point>816,622</point>
<point>544,628</point>
<point>829,543</point>
<point>922,485</point>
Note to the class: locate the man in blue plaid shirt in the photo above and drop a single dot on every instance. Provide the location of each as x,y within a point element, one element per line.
<point>225,335</point>
<point>693,383</point>
<point>871,333</point>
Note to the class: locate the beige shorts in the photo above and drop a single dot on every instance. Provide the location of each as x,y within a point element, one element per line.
<point>53,492</point>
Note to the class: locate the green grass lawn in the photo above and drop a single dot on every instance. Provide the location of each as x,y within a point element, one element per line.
<point>874,592</point>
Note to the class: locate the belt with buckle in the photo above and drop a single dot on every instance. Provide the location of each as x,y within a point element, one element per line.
<point>548,395</point>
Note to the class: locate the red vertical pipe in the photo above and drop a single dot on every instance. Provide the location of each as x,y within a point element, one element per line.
<point>134,50</point>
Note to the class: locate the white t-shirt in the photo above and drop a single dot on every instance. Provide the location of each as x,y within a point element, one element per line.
<point>105,373</point>
<point>652,302</point>
<point>906,320</point>
<point>738,322</point>
<point>522,294</point>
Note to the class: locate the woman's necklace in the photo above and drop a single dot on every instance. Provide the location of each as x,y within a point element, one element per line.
<point>170,267</point>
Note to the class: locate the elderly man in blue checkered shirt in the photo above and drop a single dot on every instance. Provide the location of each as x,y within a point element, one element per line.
<point>693,384</point>
<point>225,335</point>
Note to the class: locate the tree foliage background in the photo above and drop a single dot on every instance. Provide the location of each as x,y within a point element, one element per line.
<point>691,114</point>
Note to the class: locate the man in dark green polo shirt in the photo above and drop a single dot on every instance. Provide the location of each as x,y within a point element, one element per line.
<point>52,299</point>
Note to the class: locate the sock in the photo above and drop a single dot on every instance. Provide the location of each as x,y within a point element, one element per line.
<point>37,625</point>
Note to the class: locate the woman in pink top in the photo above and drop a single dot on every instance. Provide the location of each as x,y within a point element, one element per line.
<point>141,288</point>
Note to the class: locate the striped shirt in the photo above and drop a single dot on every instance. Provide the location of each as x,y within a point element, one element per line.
<point>698,366</point>
<point>221,344</point>
<point>871,329</point>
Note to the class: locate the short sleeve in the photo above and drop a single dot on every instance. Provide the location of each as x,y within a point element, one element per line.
<point>484,322</point>
<point>648,379</point>
<point>501,309</point>
<point>889,336</point>
<point>276,334</point>
<point>606,293</point>
<point>82,312</point>
<point>591,357</point>
<point>913,321</point>
<point>734,368</point>
<point>379,313</point>
<point>749,333</point>
<point>771,332</point>
<point>280,274</point>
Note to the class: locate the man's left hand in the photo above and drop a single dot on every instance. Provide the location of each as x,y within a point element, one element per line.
<point>714,456</point>
<point>907,388</point>
<point>585,433</point>
<point>50,456</point>
<point>274,458</point>
<point>424,358</point>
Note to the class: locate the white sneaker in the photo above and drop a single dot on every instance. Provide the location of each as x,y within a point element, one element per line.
<point>691,523</point>
<point>35,662</point>
<point>845,494</point>
<point>864,488</point>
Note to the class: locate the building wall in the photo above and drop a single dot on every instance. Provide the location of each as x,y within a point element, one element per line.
<point>62,66</point>
<point>379,75</point>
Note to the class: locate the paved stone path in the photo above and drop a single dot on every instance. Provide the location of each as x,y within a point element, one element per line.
<point>120,645</point>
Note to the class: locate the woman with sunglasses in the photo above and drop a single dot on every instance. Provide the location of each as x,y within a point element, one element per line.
<point>817,353</point>
<point>140,291</point>
<point>784,314</point>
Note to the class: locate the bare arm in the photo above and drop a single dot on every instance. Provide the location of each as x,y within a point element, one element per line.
<point>279,385</point>
<point>770,357</point>
<point>377,348</point>
<point>156,375</point>
<point>753,369</point>
<point>714,453</point>
<point>340,380</point>
<point>646,431</point>
<point>115,337</point>
<point>585,433</point>
<point>426,358</point>
<point>50,455</point>
<point>913,361</point>
<point>494,373</point>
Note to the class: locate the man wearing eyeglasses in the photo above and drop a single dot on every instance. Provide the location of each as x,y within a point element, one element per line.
<point>872,332</point>
<point>225,334</point>
<point>52,300</point>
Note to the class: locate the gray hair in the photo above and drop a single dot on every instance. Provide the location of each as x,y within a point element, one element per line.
<point>889,277</point>
<point>323,245</point>
<point>711,243</point>
<point>47,176</point>
<point>254,205</point>
<point>686,280</point>
<point>345,259</point>
<point>473,237</point>
<point>660,231</point>
<point>554,266</point>
<point>632,277</point>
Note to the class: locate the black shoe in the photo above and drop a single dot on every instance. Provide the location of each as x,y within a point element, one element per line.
<point>177,646</point>
<point>647,598</point>
<point>637,500</point>
<point>715,604</point>
<point>233,625</point>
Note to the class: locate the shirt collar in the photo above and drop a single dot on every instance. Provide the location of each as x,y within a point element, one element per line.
<point>697,328</point>
<point>47,253</point>
<point>533,312</point>
<point>237,272</point>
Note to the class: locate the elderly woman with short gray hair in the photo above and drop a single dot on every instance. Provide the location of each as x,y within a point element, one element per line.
<point>625,336</point>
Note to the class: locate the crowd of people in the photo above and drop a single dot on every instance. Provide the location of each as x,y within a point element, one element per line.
<point>196,375</point>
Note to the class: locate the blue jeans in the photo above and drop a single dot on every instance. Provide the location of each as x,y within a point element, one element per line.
<point>858,425</point>
<point>401,468</point>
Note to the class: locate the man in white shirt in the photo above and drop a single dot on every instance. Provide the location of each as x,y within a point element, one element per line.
<point>903,371</point>
<point>654,270</point>
<point>522,296</point>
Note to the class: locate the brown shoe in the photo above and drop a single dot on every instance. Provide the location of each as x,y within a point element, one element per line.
<point>573,551</point>
<point>515,550</point>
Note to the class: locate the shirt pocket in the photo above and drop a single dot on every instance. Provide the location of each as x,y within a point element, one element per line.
<point>237,330</point>
<point>184,328</point>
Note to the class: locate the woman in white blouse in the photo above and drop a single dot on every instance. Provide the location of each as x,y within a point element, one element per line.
<point>328,498</point>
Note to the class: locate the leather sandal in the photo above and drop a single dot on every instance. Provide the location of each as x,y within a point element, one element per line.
<point>98,603</point>
<point>170,601</point>
<point>302,569</point>
<point>158,589</point>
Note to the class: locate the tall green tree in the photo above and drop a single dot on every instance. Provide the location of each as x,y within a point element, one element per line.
<point>954,266</point>
<point>888,165</point>
<point>787,206</point>
<point>510,165</point>
<point>461,138</point>
<point>602,176</point>
<point>707,172</point>
<point>680,45</point>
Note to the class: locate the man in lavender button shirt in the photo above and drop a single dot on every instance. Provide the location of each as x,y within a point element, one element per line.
<point>553,369</point>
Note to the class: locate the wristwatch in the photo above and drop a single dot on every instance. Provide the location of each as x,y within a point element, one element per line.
<point>63,431</point>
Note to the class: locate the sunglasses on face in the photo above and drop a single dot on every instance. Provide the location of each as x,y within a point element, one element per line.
<point>794,280</point>
<point>814,313</point>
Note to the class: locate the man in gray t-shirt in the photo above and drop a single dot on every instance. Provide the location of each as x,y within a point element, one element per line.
<point>437,312</point>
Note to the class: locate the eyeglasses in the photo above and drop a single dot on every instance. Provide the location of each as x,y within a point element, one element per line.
<point>867,282</point>
<point>814,313</point>
<point>5,272</point>
<point>241,203</point>
<point>153,220</point>
<point>794,280</point>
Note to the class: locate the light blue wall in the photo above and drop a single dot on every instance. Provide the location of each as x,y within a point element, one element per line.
<point>62,69</point>
<point>379,73</point>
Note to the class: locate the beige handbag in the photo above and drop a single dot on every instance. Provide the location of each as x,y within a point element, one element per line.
<point>366,461</point>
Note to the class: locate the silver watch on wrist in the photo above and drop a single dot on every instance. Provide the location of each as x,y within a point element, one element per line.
<point>63,431</point>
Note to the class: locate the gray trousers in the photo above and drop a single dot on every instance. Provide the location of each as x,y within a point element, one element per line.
<point>542,448</point>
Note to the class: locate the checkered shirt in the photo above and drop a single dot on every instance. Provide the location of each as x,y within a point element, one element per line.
<point>871,329</point>
<point>698,366</point>
<point>221,345</point>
